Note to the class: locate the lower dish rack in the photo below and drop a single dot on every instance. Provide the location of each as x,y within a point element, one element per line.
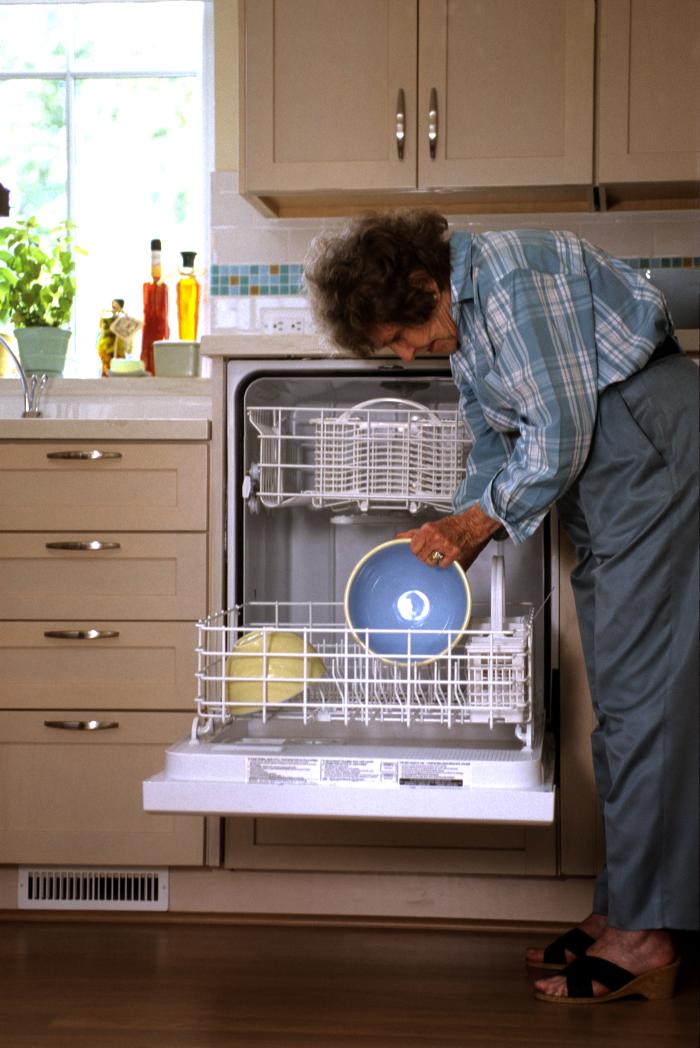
<point>298,662</point>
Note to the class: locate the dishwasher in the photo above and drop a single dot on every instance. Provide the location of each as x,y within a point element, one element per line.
<point>292,714</point>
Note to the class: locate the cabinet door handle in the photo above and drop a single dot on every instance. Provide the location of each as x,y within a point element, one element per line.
<point>81,634</point>
<point>92,544</point>
<point>80,725</point>
<point>400,122</point>
<point>82,455</point>
<point>433,123</point>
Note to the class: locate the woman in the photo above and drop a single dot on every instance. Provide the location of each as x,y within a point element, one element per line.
<point>577,395</point>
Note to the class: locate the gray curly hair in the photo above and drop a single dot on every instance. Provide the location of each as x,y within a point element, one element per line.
<point>362,277</point>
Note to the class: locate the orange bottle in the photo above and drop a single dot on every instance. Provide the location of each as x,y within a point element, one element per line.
<point>155,309</point>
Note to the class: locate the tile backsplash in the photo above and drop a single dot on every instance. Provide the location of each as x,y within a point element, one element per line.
<point>257,278</point>
<point>256,271</point>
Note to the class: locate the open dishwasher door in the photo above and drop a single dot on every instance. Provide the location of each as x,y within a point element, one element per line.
<point>294,716</point>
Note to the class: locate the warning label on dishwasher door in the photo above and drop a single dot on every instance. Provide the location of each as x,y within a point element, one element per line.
<point>435,773</point>
<point>356,771</point>
<point>322,771</point>
<point>282,769</point>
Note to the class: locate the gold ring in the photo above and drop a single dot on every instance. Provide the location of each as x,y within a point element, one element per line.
<point>436,556</point>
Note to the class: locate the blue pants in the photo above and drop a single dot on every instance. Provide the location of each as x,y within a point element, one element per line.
<point>633,517</point>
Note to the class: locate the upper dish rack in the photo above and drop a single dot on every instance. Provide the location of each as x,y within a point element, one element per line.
<point>380,454</point>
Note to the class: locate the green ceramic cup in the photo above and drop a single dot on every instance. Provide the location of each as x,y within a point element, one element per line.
<point>176,359</point>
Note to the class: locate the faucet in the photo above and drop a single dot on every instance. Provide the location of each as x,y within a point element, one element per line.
<point>32,386</point>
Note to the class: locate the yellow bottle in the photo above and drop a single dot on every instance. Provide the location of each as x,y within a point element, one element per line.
<point>188,296</point>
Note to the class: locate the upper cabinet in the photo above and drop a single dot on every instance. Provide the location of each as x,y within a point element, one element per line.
<point>509,84</point>
<point>648,98</point>
<point>478,105</point>
<point>356,101</point>
<point>321,96</point>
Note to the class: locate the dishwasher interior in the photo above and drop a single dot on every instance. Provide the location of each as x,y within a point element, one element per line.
<point>294,714</point>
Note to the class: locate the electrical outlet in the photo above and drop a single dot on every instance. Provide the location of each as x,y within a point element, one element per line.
<point>283,322</point>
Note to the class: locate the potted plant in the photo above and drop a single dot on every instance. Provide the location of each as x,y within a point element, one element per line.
<point>37,289</point>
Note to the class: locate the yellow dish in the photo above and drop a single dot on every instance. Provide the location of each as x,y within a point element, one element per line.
<point>269,667</point>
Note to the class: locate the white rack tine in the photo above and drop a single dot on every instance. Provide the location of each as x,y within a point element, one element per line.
<point>450,668</point>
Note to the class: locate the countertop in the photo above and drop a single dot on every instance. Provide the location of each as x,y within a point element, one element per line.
<point>122,408</point>
<point>257,345</point>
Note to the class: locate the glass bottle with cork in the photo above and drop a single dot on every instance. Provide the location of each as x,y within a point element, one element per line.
<point>188,296</point>
<point>155,309</point>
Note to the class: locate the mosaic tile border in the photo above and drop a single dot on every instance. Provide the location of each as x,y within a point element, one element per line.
<point>257,278</point>
<point>675,262</point>
<point>287,278</point>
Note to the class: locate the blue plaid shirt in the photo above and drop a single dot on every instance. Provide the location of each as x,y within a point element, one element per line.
<point>546,322</point>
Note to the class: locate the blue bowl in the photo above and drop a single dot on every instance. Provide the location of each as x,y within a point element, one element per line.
<point>425,609</point>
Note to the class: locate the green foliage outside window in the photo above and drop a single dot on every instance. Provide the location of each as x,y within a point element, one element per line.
<point>101,119</point>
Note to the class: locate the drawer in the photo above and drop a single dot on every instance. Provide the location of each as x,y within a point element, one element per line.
<point>78,484</point>
<point>134,576</point>
<point>98,665</point>
<point>75,796</point>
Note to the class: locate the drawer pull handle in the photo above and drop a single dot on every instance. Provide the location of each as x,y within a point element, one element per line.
<point>433,123</point>
<point>400,123</point>
<point>80,725</point>
<point>92,544</point>
<point>81,634</point>
<point>83,455</point>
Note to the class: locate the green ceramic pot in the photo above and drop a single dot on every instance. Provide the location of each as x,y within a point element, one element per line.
<point>42,350</point>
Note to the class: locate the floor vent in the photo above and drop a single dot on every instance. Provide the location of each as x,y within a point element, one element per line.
<point>44,888</point>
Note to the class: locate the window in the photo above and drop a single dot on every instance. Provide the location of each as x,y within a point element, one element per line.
<point>102,120</point>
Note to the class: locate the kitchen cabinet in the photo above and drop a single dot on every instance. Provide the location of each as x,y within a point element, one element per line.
<point>474,107</point>
<point>513,84</point>
<point>104,568</point>
<point>128,575</point>
<point>321,88</point>
<point>118,665</point>
<point>648,89</point>
<point>133,487</point>
<point>363,846</point>
<point>70,796</point>
<point>346,103</point>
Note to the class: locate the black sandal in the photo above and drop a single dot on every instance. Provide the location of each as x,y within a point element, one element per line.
<point>576,941</point>
<point>657,984</point>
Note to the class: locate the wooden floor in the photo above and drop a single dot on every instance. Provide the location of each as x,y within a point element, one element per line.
<point>173,985</point>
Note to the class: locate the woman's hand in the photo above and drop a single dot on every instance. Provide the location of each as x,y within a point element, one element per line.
<point>460,537</point>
